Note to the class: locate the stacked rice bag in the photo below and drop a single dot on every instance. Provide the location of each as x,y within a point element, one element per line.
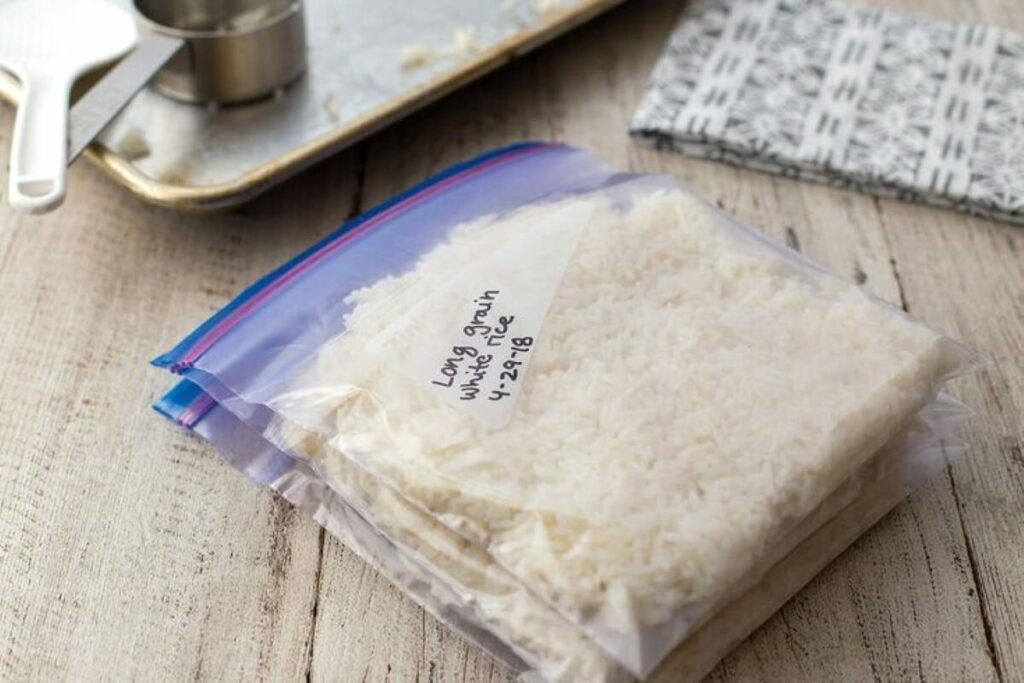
<point>576,413</point>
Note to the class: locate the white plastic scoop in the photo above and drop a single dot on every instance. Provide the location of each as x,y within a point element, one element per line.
<point>47,44</point>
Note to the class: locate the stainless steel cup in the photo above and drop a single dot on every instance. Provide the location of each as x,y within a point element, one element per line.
<point>235,50</point>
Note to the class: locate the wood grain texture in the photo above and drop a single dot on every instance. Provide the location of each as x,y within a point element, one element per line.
<point>128,551</point>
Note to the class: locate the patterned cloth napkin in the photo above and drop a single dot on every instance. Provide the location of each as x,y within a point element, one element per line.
<point>886,103</point>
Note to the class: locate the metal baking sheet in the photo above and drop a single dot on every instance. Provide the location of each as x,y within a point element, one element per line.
<point>359,80</point>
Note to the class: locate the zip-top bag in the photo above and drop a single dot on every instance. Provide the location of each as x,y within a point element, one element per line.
<point>466,589</point>
<point>620,397</point>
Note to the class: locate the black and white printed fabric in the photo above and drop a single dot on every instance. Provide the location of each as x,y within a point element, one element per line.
<point>874,100</point>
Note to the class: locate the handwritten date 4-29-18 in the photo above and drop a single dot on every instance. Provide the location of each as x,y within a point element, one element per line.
<point>510,373</point>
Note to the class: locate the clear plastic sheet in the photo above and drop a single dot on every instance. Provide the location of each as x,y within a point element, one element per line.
<point>470,593</point>
<point>598,384</point>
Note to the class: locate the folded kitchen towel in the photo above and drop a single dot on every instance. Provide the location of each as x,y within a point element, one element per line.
<point>886,103</point>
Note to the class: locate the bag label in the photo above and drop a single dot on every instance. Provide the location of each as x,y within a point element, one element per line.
<point>488,349</point>
<point>476,333</point>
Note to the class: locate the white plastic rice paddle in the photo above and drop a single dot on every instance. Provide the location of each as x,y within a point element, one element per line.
<point>47,44</point>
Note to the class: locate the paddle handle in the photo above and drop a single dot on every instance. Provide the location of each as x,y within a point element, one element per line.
<point>39,150</point>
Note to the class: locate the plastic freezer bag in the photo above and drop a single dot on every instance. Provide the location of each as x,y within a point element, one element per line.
<point>470,592</point>
<point>455,581</point>
<point>621,395</point>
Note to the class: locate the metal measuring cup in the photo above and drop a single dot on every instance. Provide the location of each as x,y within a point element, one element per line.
<point>204,51</point>
<point>232,51</point>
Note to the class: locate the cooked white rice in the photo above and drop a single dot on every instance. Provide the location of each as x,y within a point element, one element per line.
<point>691,394</point>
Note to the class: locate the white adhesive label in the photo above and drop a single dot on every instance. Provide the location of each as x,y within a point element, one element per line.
<point>478,331</point>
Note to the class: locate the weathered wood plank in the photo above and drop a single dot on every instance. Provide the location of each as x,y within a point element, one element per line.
<point>965,275</point>
<point>127,548</point>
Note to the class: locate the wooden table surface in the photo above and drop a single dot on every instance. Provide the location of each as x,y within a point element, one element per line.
<point>128,550</point>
